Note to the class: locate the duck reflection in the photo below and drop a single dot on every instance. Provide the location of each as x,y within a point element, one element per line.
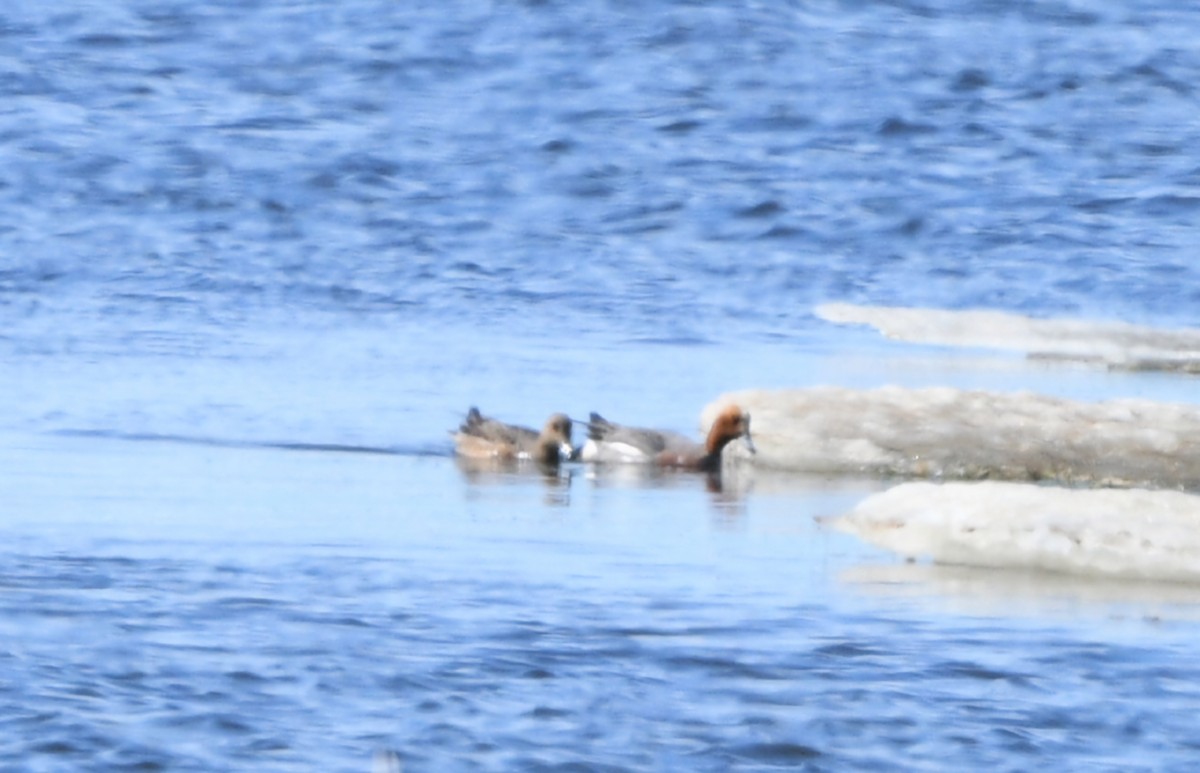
<point>499,472</point>
<point>727,490</point>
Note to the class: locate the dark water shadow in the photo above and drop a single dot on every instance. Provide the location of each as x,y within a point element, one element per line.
<point>279,445</point>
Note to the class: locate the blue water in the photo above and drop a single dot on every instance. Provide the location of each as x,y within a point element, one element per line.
<point>256,258</point>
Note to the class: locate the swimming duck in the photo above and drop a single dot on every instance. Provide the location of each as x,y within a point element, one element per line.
<point>609,442</point>
<point>481,437</point>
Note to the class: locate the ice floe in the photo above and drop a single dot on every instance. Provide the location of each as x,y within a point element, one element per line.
<point>1121,533</point>
<point>1123,468</point>
<point>945,433</point>
<point>1115,345</point>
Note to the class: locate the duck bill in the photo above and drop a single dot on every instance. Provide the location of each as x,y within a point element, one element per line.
<point>749,441</point>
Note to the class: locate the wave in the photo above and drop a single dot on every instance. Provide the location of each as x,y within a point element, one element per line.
<point>1116,345</point>
<point>1119,533</point>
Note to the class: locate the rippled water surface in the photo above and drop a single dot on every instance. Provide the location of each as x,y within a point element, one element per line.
<point>257,258</point>
<point>235,608</point>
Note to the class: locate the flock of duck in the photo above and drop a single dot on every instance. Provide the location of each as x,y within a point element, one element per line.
<point>480,437</point>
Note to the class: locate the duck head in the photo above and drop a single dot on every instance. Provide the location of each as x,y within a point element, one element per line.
<point>554,443</point>
<point>731,423</point>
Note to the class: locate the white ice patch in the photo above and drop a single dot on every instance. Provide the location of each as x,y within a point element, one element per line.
<point>948,433</point>
<point>1131,533</point>
<point>1114,344</point>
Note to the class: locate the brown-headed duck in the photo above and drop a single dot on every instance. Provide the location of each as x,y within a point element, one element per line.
<point>609,442</point>
<point>480,437</point>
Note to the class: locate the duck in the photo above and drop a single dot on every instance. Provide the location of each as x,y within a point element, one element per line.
<point>609,442</point>
<point>480,437</point>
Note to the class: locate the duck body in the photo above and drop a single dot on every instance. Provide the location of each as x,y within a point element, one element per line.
<point>618,443</point>
<point>609,442</point>
<point>481,437</point>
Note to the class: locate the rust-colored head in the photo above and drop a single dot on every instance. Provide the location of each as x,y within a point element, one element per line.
<point>731,423</point>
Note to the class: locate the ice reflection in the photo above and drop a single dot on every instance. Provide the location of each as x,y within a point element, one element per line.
<point>1005,592</point>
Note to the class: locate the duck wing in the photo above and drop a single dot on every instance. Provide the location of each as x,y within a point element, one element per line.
<point>480,426</point>
<point>650,442</point>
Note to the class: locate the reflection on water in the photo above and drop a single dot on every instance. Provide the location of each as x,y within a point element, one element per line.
<point>615,618</point>
<point>727,489</point>
<point>556,479</point>
<point>967,590</point>
<point>650,476</point>
<point>386,761</point>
